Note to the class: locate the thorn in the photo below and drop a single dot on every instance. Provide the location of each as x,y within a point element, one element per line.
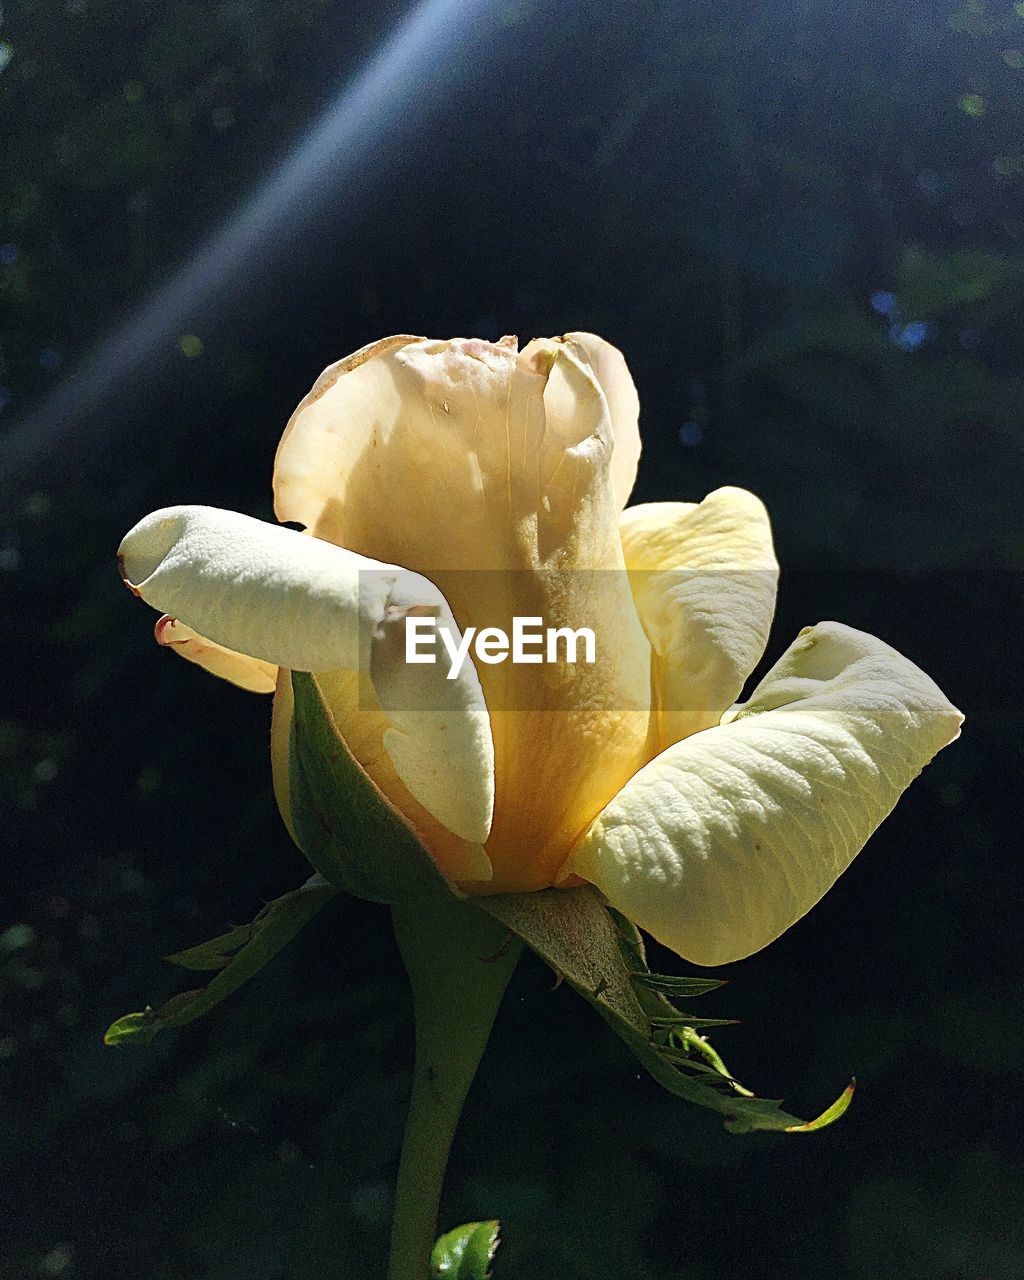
<point>502,950</point>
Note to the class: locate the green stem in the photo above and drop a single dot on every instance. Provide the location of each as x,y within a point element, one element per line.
<point>459,962</point>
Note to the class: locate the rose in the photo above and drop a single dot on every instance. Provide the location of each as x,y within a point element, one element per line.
<point>476,482</point>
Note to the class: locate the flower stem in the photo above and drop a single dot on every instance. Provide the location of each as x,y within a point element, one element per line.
<point>459,962</point>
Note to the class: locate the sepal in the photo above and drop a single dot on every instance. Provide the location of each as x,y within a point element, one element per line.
<point>215,954</point>
<point>601,955</point>
<point>344,825</point>
<point>237,955</point>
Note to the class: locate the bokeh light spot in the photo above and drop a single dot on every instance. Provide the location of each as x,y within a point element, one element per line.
<point>148,781</point>
<point>908,337</point>
<point>190,346</point>
<point>46,770</point>
<point>690,434</point>
<point>973,105</point>
<point>883,302</point>
<point>17,937</point>
<point>57,1260</point>
<point>37,504</point>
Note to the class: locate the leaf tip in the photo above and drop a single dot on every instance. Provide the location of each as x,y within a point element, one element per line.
<point>465,1253</point>
<point>830,1115</point>
<point>132,1026</point>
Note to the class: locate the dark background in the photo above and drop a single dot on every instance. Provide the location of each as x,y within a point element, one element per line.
<point>803,224</point>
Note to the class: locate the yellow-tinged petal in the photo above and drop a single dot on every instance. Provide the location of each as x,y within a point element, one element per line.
<point>613,377</point>
<point>280,746</point>
<point>238,668</point>
<point>492,471</point>
<point>704,578</point>
<point>725,839</point>
<point>357,716</point>
<point>303,604</point>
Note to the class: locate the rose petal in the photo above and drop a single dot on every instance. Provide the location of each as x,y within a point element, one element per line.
<point>613,377</point>
<point>704,579</point>
<point>357,716</point>
<point>238,668</point>
<point>728,837</point>
<point>490,471</point>
<point>305,605</point>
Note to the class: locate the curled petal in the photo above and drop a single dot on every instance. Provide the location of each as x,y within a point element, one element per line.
<point>493,471</point>
<point>238,668</point>
<point>298,603</point>
<point>728,837</point>
<point>356,716</point>
<point>254,587</point>
<point>704,579</point>
<point>613,377</point>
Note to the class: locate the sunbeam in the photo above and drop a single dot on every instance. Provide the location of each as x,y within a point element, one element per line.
<point>361,121</point>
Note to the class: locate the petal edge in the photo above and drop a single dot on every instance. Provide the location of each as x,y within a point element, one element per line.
<point>727,838</point>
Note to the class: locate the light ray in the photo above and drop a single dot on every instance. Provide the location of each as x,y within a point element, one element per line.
<point>382,97</point>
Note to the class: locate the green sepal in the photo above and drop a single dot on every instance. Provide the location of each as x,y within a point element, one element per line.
<point>465,1253</point>
<point>670,985</point>
<point>237,955</point>
<point>346,828</point>
<point>215,954</point>
<point>601,955</point>
<point>829,1115</point>
<point>679,1020</point>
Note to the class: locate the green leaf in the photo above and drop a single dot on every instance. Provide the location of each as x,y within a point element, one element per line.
<point>672,1021</point>
<point>601,955</point>
<point>214,954</point>
<point>830,1114</point>
<point>346,828</point>
<point>465,1253</point>
<point>127,1027</point>
<point>670,985</point>
<point>253,945</point>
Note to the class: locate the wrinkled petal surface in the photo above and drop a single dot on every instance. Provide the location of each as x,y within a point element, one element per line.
<point>493,472</point>
<point>728,837</point>
<point>301,604</point>
<point>704,578</point>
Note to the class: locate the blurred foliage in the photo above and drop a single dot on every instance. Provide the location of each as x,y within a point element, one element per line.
<point>803,224</point>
